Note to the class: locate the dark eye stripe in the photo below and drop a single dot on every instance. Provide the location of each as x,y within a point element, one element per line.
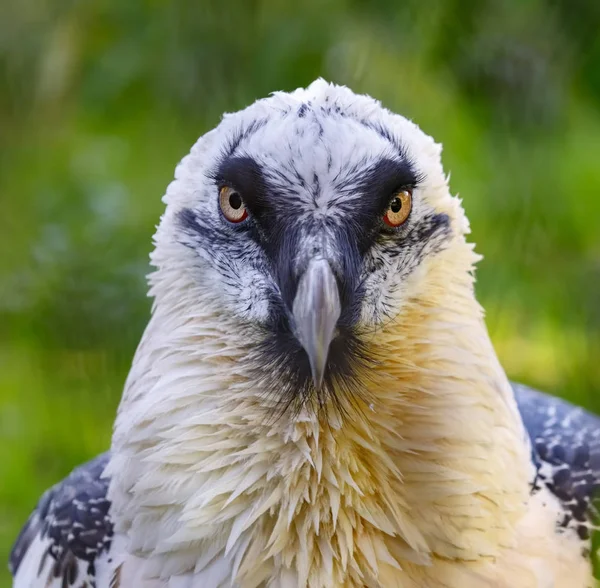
<point>245,175</point>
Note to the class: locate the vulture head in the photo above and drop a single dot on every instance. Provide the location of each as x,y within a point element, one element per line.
<point>307,222</point>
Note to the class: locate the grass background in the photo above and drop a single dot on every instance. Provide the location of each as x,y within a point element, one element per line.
<point>100,99</point>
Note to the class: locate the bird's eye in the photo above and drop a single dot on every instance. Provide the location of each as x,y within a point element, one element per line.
<point>232,205</point>
<point>399,209</point>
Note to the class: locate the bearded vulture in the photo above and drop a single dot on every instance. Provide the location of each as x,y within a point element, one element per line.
<point>315,401</point>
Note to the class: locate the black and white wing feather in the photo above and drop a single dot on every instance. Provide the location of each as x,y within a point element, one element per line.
<point>566,450</point>
<point>67,534</point>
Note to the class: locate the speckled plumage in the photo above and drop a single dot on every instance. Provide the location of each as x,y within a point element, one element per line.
<point>566,441</point>
<point>72,523</point>
<point>409,467</point>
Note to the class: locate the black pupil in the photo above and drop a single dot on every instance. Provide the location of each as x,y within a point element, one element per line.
<point>396,205</point>
<point>235,201</point>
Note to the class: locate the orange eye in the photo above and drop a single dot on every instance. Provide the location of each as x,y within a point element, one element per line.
<point>399,209</point>
<point>232,205</point>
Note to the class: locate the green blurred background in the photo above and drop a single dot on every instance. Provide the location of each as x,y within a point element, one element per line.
<point>100,99</point>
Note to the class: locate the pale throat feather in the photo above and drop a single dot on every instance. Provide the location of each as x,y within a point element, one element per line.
<point>428,466</point>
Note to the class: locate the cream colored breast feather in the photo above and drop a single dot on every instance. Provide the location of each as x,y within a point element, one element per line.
<point>420,478</point>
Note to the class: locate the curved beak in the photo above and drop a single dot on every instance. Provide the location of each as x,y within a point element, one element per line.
<point>316,310</point>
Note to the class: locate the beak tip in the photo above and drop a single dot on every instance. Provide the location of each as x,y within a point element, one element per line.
<point>318,376</point>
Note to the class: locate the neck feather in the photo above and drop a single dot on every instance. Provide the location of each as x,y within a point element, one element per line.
<point>430,464</point>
